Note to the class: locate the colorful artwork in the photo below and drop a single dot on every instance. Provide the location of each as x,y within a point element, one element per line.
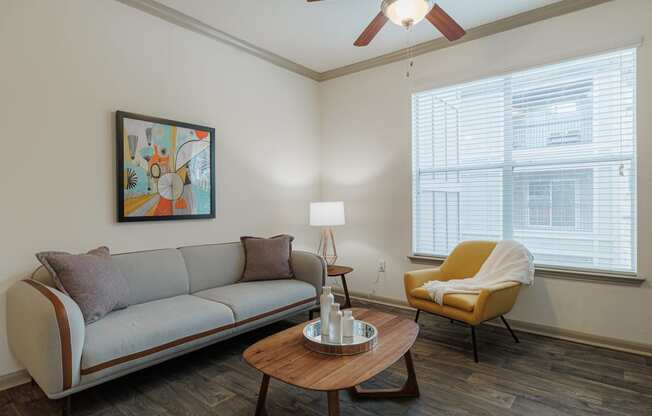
<point>165,169</point>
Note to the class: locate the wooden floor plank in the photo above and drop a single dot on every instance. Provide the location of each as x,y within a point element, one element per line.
<point>539,376</point>
<point>8,409</point>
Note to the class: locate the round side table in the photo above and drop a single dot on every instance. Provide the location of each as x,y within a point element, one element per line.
<point>342,271</point>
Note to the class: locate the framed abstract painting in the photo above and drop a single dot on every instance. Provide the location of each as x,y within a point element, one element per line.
<point>165,169</point>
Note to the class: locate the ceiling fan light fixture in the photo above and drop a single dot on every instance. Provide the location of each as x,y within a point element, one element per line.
<point>406,13</point>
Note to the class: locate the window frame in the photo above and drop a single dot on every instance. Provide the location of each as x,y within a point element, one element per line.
<point>542,269</point>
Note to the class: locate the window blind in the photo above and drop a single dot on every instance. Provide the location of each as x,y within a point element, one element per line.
<point>544,156</point>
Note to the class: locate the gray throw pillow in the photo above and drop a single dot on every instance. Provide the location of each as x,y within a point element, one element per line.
<point>91,280</point>
<point>267,258</point>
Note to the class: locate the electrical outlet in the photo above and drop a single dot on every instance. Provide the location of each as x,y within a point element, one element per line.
<point>381,266</point>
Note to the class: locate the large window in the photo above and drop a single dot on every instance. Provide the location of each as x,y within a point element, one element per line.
<point>544,156</point>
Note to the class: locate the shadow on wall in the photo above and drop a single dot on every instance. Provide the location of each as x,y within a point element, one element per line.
<point>536,297</point>
<point>369,163</point>
<point>377,193</point>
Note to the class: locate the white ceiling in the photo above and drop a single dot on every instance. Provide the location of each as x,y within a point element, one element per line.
<point>320,35</point>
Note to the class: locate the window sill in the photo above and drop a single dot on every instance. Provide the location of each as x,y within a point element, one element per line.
<point>625,279</point>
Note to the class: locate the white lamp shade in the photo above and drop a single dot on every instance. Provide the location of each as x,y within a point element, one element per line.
<point>326,214</point>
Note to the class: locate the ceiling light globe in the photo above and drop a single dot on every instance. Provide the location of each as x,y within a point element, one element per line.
<point>406,13</point>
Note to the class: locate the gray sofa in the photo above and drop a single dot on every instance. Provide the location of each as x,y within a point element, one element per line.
<point>180,300</point>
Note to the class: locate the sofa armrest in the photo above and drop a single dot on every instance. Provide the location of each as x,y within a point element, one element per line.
<point>311,268</point>
<point>496,300</point>
<point>45,331</point>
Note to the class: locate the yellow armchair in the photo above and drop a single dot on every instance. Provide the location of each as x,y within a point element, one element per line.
<point>472,309</point>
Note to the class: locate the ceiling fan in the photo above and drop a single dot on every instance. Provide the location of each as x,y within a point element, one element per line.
<point>407,13</point>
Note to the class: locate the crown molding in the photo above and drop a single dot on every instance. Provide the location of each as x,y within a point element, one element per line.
<point>173,16</point>
<point>522,19</point>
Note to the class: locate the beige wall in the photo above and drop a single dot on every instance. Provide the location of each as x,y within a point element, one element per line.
<point>67,65</point>
<point>366,142</point>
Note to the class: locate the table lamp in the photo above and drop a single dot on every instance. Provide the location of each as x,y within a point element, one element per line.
<point>327,215</point>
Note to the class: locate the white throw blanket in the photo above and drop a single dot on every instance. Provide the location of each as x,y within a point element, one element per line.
<point>509,261</point>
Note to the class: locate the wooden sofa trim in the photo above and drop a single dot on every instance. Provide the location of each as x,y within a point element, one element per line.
<point>274,311</point>
<point>153,350</point>
<point>64,331</point>
<point>189,338</point>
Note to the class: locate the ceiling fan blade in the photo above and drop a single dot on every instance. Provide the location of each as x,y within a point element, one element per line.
<point>445,24</point>
<point>372,30</point>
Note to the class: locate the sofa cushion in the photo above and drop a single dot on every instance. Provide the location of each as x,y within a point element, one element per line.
<point>213,265</point>
<point>91,280</point>
<point>152,275</point>
<point>253,300</point>
<point>150,330</point>
<point>267,258</point>
<point>465,302</point>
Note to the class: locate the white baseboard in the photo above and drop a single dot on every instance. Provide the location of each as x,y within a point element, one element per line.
<point>532,328</point>
<point>14,379</point>
<point>580,337</point>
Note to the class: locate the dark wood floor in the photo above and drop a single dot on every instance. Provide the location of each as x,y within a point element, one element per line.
<point>539,376</point>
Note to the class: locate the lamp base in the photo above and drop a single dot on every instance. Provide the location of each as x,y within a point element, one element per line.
<point>328,253</point>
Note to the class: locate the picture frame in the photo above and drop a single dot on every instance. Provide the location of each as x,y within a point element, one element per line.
<point>165,169</point>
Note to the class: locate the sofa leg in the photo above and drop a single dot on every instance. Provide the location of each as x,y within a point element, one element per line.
<point>475,346</point>
<point>66,409</point>
<point>416,317</point>
<point>510,329</point>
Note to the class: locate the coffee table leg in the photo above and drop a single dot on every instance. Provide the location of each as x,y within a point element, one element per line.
<point>409,389</point>
<point>262,396</point>
<point>347,305</point>
<point>333,403</point>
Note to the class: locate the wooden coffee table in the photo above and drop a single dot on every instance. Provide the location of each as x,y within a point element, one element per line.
<point>282,356</point>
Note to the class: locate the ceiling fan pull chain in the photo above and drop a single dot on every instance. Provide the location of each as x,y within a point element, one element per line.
<point>410,57</point>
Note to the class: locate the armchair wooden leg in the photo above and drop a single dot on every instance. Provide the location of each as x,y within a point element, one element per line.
<point>475,346</point>
<point>509,328</point>
<point>416,318</point>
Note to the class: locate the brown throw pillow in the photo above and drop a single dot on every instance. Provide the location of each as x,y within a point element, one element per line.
<point>267,258</point>
<point>91,280</point>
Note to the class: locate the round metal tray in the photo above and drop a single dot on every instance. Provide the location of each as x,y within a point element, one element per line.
<point>365,338</point>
